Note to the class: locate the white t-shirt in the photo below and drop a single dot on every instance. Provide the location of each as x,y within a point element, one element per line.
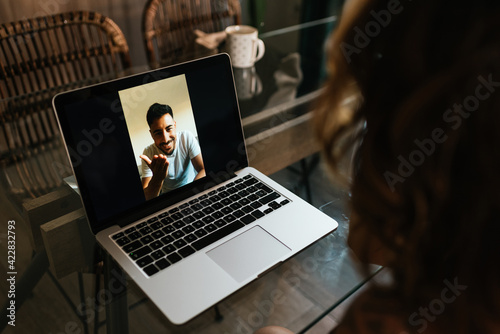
<point>180,169</point>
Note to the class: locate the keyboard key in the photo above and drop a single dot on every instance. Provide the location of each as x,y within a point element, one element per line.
<point>132,246</point>
<point>122,241</point>
<point>146,230</point>
<point>215,198</point>
<point>223,194</point>
<point>136,254</point>
<point>217,214</point>
<point>263,187</point>
<point>134,235</point>
<point>167,239</point>
<point>257,214</point>
<point>190,238</point>
<point>208,219</point>
<point>167,220</point>
<point>197,207</point>
<point>163,215</point>
<point>268,210</point>
<point>274,205</point>
<point>255,205</point>
<point>130,230</point>
<point>152,220</point>
<point>142,262</point>
<point>156,225</point>
<point>146,240</point>
<point>156,244</point>
<point>226,201</point>
<point>179,224</point>
<point>208,210</point>
<point>198,224</point>
<point>217,206</point>
<point>226,210</point>
<point>210,228</point>
<point>173,258</point>
<point>151,270</point>
<point>178,234</point>
<point>248,219</point>
<point>247,209</point>
<point>162,264</point>
<point>238,213</point>
<point>179,243</point>
<point>168,229</point>
<point>187,211</point>
<point>118,236</point>
<point>168,249</point>
<point>268,198</point>
<point>206,202</point>
<point>188,229</point>
<point>177,216</point>
<point>186,251</point>
<point>219,234</point>
<point>235,197</point>
<point>236,206</point>
<point>250,181</point>
<point>284,202</point>
<point>200,233</point>
<point>158,234</point>
<point>229,218</point>
<point>220,223</point>
<point>198,214</point>
<point>243,193</point>
<point>188,219</point>
<point>157,254</point>
<point>141,225</point>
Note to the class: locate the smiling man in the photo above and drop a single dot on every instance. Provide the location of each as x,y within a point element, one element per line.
<point>175,157</point>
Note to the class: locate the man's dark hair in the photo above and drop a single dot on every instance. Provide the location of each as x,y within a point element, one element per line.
<point>156,111</point>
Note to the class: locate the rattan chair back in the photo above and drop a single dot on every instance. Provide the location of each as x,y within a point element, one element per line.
<point>168,26</point>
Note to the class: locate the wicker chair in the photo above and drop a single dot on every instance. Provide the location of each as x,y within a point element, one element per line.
<point>40,57</point>
<point>168,27</point>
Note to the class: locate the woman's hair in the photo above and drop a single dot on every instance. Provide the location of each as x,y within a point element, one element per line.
<point>425,125</point>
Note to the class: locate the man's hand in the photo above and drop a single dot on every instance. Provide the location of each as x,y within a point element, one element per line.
<point>159,165</point>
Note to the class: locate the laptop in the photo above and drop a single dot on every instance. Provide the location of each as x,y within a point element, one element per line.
<point>190,246</point>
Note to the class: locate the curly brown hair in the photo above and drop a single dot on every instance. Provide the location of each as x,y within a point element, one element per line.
<point>425,127</point>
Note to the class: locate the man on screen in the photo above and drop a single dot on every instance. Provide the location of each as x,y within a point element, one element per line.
<point>175,157</point>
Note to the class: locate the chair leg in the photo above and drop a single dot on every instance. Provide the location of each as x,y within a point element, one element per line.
<point>218,315</point>
<point>117,309</point>
<point>82,300</point>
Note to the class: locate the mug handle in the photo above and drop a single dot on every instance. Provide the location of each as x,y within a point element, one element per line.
<point>261,49</point>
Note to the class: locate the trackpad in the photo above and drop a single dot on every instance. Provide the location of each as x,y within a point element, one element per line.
<point>249,253</point>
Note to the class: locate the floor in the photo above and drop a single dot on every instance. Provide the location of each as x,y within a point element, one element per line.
<point>47,311</point>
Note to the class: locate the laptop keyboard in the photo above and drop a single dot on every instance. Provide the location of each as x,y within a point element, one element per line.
<point>161,241</point>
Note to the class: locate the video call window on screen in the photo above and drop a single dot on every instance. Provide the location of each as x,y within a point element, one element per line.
<point>162,130</point>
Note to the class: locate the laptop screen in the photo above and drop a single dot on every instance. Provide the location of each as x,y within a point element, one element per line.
<point>120,135</point>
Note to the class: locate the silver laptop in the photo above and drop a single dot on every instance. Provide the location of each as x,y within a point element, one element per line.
<point>170,196</point>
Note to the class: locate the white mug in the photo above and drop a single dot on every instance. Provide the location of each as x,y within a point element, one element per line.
<point>243,45</point>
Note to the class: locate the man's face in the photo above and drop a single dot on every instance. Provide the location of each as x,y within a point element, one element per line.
<point>163,131</point>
